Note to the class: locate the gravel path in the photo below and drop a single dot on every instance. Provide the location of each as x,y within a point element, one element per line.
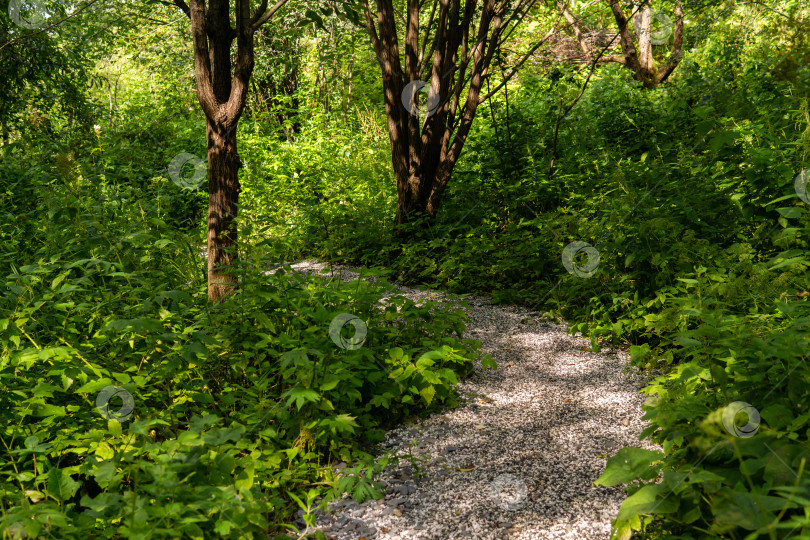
<point>518,459</point>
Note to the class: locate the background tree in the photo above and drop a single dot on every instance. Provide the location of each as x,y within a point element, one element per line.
<point>222,86</point>
<point>636,51</point>
<point>42,81</point>
<point>454,52</point>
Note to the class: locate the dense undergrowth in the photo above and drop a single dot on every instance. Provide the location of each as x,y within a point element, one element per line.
<point>691,196</point>
<point>688,193</point>
<point>223,420</point>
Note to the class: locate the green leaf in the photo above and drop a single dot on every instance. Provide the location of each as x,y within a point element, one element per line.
<point>105,472</point>
<point>33,445</point>
<point>791,212</point>
<point>223,527</point>
<point>719,374</point>
<point>301,396</point>
<point>687,341</point>
<point>61,486</point>
<point>330,381</point>
<point>114,427</point>
<point>777,416</point>
<point>59,279</point>
<point>750,511</point>
<point>93,386</point>
<point>629,464</point>
<point>264,321</point>
<point>427,393</point>
<point>343,423</point>
<point>788,262</point>
<point>639,353</point>
<point>424,362</point>
<point>650,499</point>
<point>44,410</point>
<point>487,362</point>
<point>245,478</point>
<point>448,375</point>
<point>721,139</point>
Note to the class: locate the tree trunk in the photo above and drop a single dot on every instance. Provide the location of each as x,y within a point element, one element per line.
<point>222,91</point>
<point>638,58</point>
<point>456,50</point>
<point>413,193</point>
<point>223,198</point>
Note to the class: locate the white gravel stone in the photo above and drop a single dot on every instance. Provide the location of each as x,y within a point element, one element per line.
<point>532,432</point>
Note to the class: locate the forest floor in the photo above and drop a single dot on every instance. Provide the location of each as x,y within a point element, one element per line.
<point>518,457</point>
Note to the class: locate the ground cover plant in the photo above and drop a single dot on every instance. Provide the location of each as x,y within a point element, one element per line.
<point>669,220</point>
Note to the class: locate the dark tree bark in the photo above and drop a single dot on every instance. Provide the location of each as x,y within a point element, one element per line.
<point>222,91</point>
<point>453,55</point>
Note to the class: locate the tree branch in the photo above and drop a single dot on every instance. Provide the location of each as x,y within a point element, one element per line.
<point>677,46</point>
<point>57,23</point>
<point>202,60</point>
<point>266,16</point>
<point>526,56</point>
<point>179,3</point>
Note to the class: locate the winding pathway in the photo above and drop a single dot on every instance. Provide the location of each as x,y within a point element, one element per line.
<point>518,458</point>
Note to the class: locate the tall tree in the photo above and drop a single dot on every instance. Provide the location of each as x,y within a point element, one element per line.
<point>222,86</point>
<point>453,52</point>
<point>636,47</point>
